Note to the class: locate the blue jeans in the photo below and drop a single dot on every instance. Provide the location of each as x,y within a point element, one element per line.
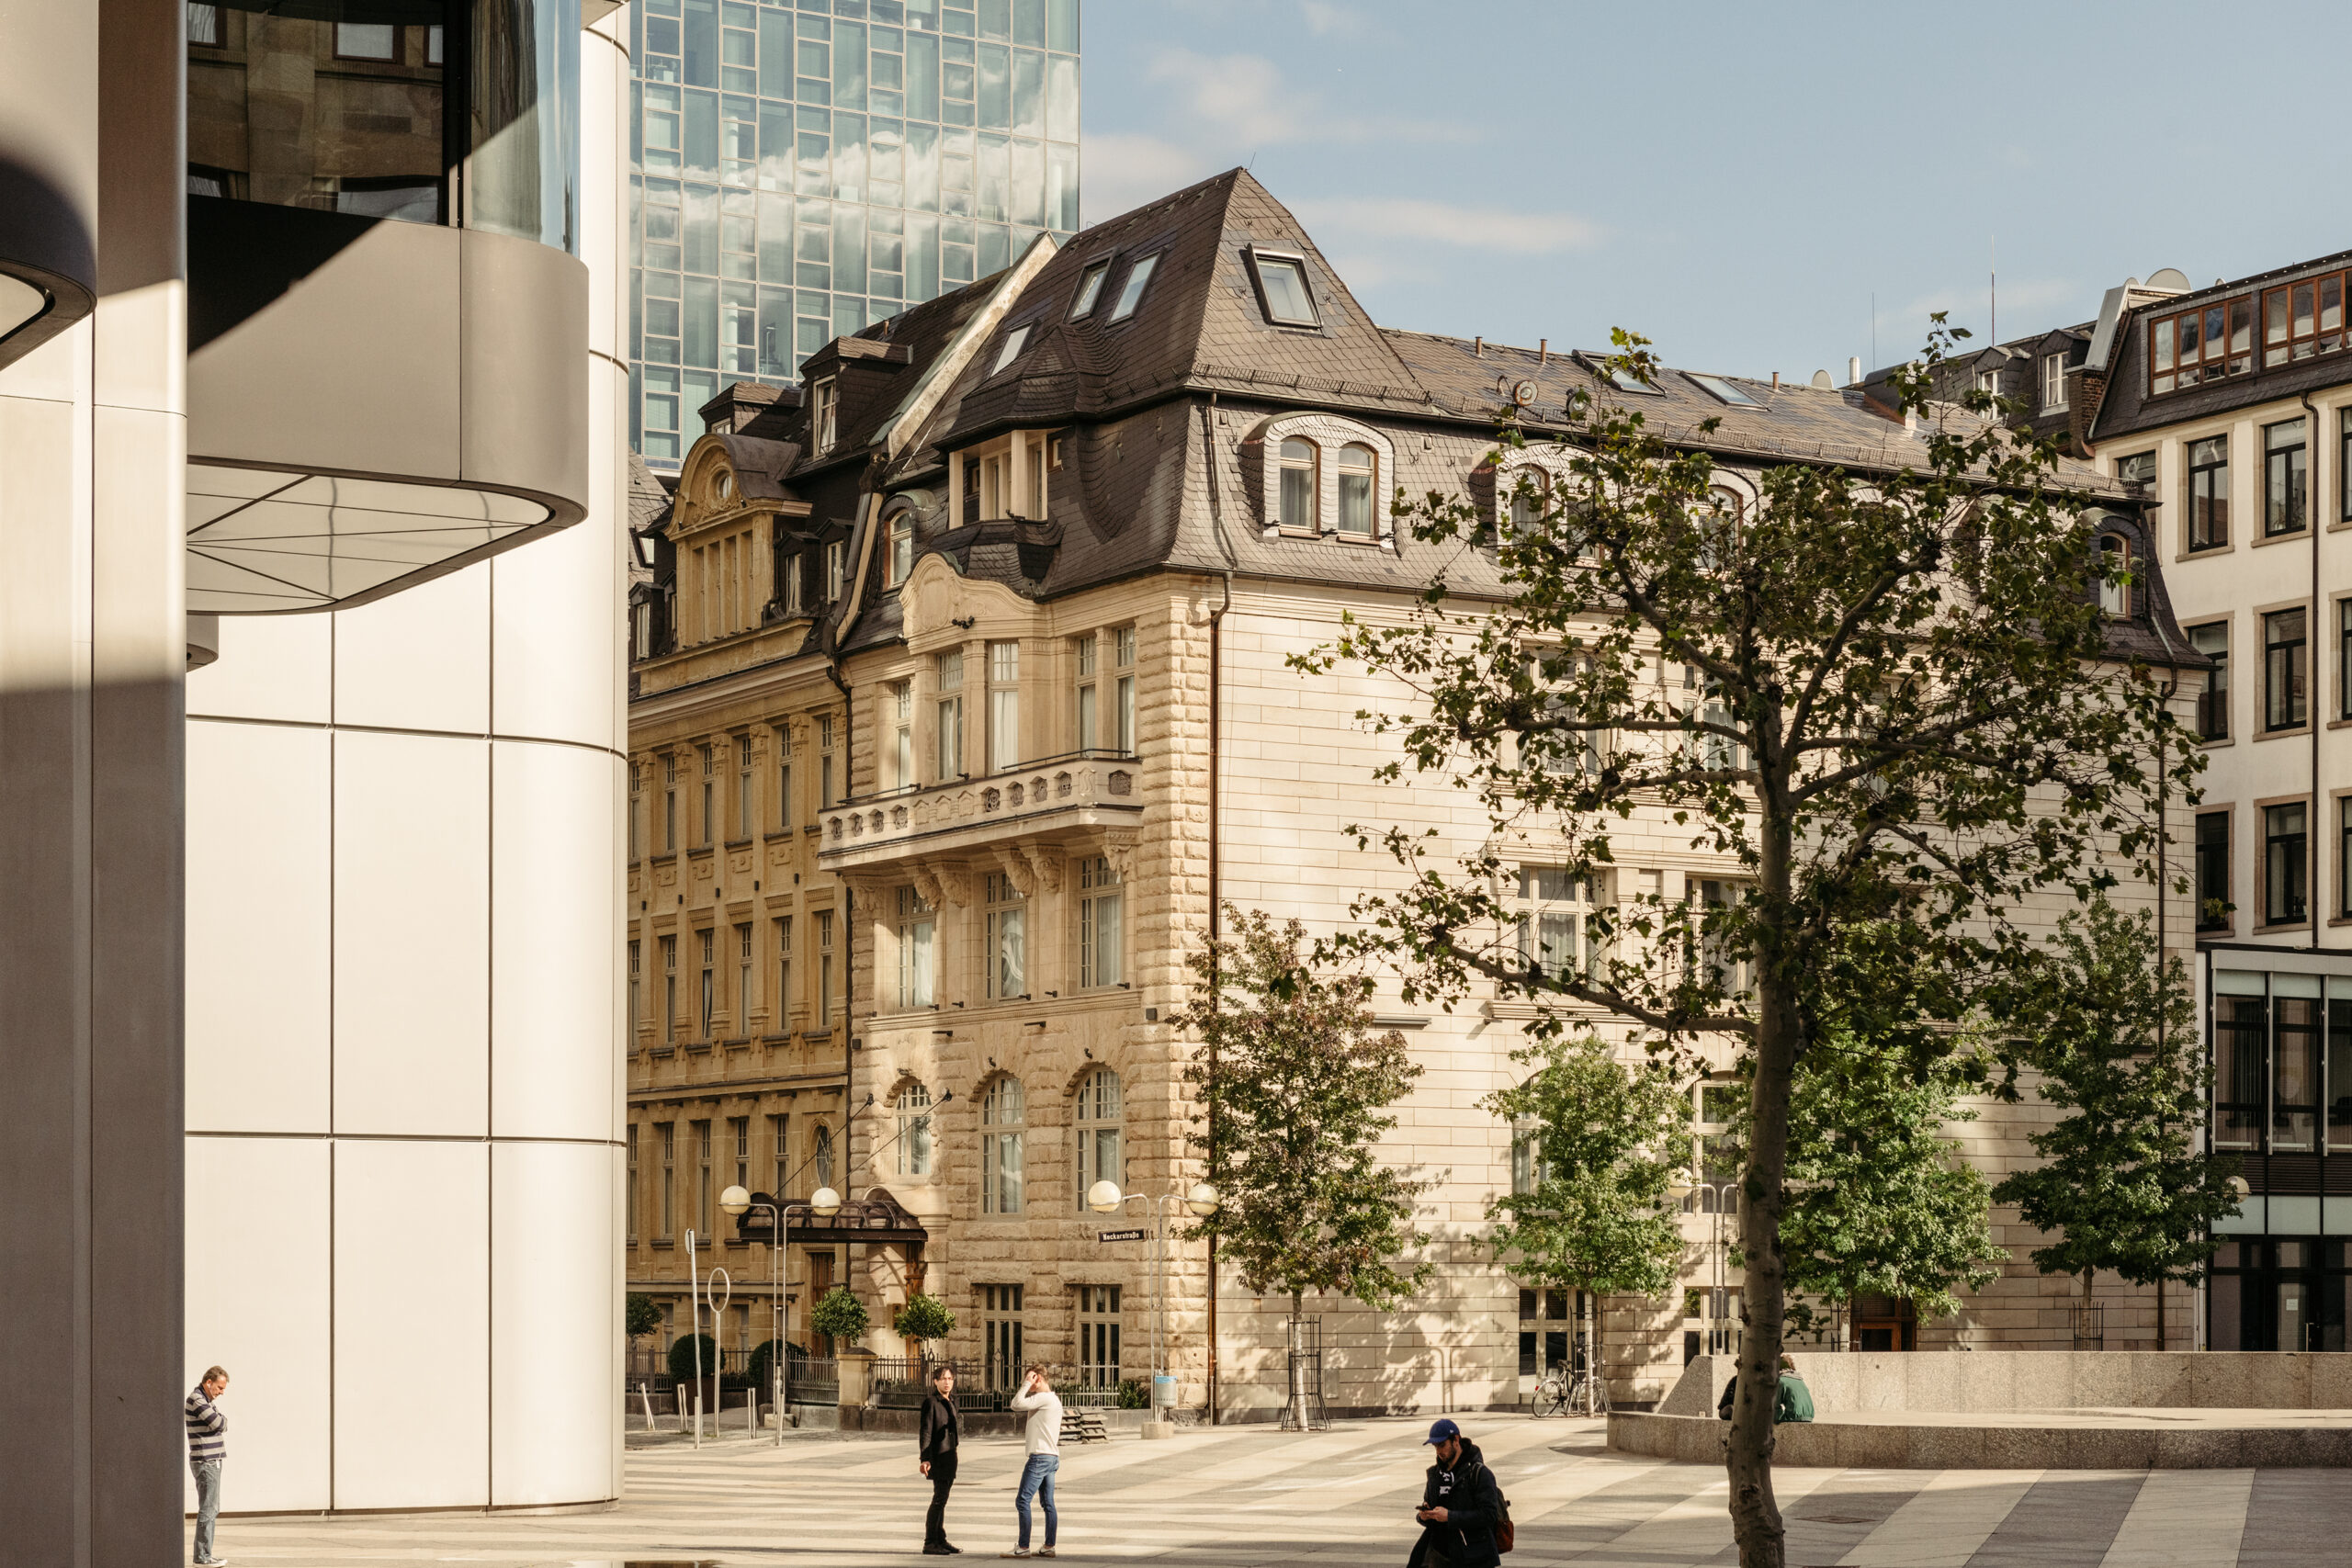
<point>1037,1480</point>
<point>208,1504</point>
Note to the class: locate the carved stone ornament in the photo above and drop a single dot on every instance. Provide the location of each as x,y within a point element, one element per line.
<point>1119,848</point>
<point>1045,864</point>
<point>950,882</point>
<point>1017,870</point>
<point>928,885</point>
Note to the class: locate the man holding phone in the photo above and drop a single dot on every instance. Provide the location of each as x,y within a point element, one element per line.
<point>1460,1505</point>
<point>1038,1401</point>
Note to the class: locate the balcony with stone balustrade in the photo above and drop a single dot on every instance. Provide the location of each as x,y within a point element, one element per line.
<point>1024,819</point>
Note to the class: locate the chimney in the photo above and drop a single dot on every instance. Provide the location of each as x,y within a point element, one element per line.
<point>1853,370</point>
<point>1776,380</point>
<point>1478,345</point>
<point>1542,351</point>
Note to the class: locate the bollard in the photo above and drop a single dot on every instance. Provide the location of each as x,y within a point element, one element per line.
<point>646,1395</point>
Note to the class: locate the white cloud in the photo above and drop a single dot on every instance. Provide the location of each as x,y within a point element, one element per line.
<point>1442,222</point>
<point>1240,97</point>
<point>1126,171</point>
<point>1323,18</point>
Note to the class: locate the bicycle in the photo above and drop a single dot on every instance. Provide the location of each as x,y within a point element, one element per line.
<point>1561,1389</point>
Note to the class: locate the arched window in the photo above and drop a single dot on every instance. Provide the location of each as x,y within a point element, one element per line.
<point>915,1131</point>
<point>902,546</point>
<point>1299,486</point>
<point>822,1155</point>
<point>1102,1150</point>
<point>1004,1132</point>
<point>1526,1171</point>
<point>1358,468</point>
<point>2114,565</point>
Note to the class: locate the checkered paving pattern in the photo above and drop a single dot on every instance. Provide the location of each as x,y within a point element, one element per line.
<point>1251,1497</point>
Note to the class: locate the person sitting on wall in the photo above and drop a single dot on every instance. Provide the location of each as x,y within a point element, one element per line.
<point>1793,1402</point>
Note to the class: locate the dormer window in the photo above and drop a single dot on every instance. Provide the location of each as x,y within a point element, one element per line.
<point>2114,584</point>
<point>822,402</point>
<point>2053,383</point>
<point>1090,289</point>
<point>1299,486</point>
<point>1014,341</point>
<point>1357,467</point>
<point>722,486</point>
<point>836,571</point>
<point>1131,291</point>
<point>1282,293</point>
<point>902,544</point>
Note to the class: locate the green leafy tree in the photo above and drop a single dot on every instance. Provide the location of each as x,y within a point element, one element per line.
<point>924,1318</point>
<point>1295,1086</point>
<point>1880,686</point>
<point>682,1357</point>
<point>841,1315</point>
<point>639,1316</point>
<point>1879,1201</point>
<point>2126,1185</point>
<point>1596,1143</point>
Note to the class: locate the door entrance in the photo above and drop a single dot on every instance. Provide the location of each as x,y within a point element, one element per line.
<point>2278,1293</point>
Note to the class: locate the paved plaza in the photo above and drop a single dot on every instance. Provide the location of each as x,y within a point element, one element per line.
<point>1241,1497</point>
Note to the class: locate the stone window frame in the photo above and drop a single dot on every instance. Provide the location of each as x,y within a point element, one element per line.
<point>1262,455</point>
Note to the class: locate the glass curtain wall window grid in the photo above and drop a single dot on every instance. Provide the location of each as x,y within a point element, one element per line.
<point>1101,945</point>
<point>2285,864</point>
<point>2285,669</point>
<point>2212,640</point>
<point>915,1131</point>
<point>2282,1064</point>
<point>801,176</point>
<point>1004,957</point>
<point>2208,492</point>
<point>2279,1293</point>
<point>2286,478</point>
<point>431,117</point>
<point>1003,1134</point>
<point>1099,1119</point>
<point>2200,346</point>
<point>2303,319</point>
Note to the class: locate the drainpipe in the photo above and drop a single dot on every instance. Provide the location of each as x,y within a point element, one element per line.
<point>2311,424</point>
<point>1217,668</point>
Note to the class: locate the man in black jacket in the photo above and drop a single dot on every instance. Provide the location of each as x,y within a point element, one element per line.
<point>1460,1505</point>
<point>940,1430</point>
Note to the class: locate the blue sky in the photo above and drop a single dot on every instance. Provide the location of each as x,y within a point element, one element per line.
<point>1736,180</point>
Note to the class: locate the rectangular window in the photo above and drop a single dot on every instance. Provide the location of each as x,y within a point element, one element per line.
<point>702,1180</point>
<point>669,1180</point>
<point>779,1156</point>
<point>669,988</point>
<point>2241,1050</point>
<point>1282,291</point>
<point>1001,1337</point>
<point>1552,937</point>
<point>709,978</point>
<point>1005,951</point>
<point>827,796</point>
<point>2300,320</point>
<point>780,1015</point>
<point>2295,1038</point>
<point>2212,640</point>
<point>2213,871</point>
<point>2053,383</point>
<point>916,924</point>
<point>2286,850</point>
<point>1004,706</point>
<point>367,40</point>
<point>2343,888</point>
<point>747,813</point>
<point>821,414</point>
<point>902,734</point>
<point>836,571</point>
<point>632,1182</point>
<point>2208,492</point>
<point>739,1133</point>
<point>1131,292</point>
<point>1101,933</point>
<point>636,990</point>
<point>1088,693</point>
<point>1358,473</point>
<point>743,978</point>
<point>636,811</point>
<point>794,570</point>
<point>824,968</point>
<point>670,804</point>
<point>902,546</point>
<point>2344,659</point>
<point>782,779</point>
<point>2200,346</point>
<point>1123,662</point>
<point>2139,470</point>
<point>2286,478</point>
<point>2344,465</point>
<point>950,715</point>
<point>2285,665</point>
<point>1090,288</point>
<point>708,821</point>
<point>204,25</point>
<point>1098,1336</point>
<point>1729,969</point>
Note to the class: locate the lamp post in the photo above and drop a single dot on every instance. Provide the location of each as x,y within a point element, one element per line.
<point>1104,1197</point>
<point>695,1291</point>
<point>824,1203</point>
<point>1679,1186</point>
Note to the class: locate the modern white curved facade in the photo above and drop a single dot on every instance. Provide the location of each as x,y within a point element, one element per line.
<point>403,1091</point>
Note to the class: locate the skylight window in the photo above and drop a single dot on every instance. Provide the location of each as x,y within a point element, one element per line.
<point>1281,289</point>
<point>1131,292</point>
<point>1090,289</point>
<point>1014,341</point>
<point>1626,381</point>
<point>1722,390</point>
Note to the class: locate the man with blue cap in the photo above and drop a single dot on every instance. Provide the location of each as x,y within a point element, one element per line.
<point>1460,1508</point>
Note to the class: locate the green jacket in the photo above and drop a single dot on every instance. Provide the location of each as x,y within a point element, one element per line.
<point>1793,1401</point>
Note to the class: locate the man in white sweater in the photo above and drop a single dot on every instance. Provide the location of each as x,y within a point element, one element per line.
<point>1038,1401</point>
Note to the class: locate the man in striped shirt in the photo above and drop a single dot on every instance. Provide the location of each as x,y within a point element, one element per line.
<point>208,1444</point>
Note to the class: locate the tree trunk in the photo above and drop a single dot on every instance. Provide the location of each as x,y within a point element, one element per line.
<point>1592,1373</point>
<point>2163,1341</point>
<point>1297,1374</point>
<point>1755,1519</point>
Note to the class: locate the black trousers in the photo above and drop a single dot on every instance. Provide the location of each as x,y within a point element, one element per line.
<point>942,1477</point>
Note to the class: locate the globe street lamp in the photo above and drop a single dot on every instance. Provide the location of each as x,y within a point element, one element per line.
<point>1104,1197</point>
<point>824,1203</point>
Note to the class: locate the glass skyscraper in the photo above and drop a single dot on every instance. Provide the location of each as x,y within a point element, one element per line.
<point>802,168</point>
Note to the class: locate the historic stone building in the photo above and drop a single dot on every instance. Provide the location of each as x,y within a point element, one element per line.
<point>1066,526</point>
